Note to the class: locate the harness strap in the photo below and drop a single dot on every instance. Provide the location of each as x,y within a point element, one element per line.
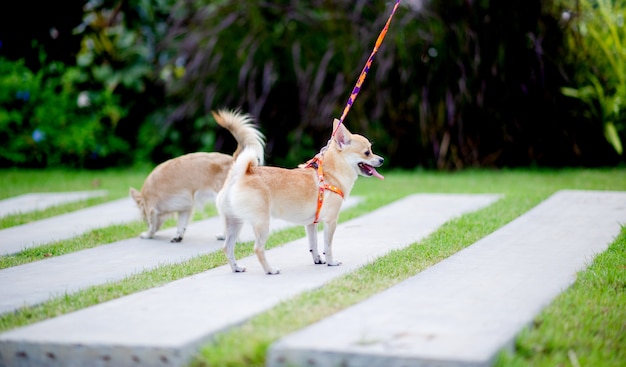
<point>323,186</point>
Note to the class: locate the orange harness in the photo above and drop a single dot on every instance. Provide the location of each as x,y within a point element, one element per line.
<point>316,163</point>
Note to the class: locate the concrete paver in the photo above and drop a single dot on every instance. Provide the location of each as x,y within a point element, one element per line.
<point>465,309</point>
<point>40,201</point>
<point>61,227</point>
<point>166,325</point>
<point>36,282</point>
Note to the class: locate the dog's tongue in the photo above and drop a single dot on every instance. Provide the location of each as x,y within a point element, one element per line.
<point>375,173</point>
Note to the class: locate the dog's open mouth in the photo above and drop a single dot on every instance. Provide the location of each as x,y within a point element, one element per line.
<point>368,170</point>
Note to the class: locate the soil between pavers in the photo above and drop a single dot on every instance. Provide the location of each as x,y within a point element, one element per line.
<point>166,325</point>
<point>463,310</point>
<point>37,282</point>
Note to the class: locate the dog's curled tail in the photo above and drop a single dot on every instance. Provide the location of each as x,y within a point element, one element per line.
<point>242,128</point>
<point>138,198</point>
<point>247,159</point>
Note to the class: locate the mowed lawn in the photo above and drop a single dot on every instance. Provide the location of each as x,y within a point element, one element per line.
<point>585,326</point>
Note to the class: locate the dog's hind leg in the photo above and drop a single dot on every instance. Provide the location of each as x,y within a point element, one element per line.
<point>183,220</point>
<point>233,227</point>
<point>311,233</point>
<point>154,223</point>
<point>329,232</point>
<point>261,232</point>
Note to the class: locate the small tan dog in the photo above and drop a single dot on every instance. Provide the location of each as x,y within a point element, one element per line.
<point>178,184</point>
<point>254,194</point>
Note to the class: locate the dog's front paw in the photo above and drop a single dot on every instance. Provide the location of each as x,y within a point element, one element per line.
<point>318,260</point>
<point>176,239</point>
<point>273,271</point>
<point>220,237</point>
<point>334,263</point>
<point>239,269</point>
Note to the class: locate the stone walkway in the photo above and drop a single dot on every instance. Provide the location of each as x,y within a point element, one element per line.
<point>65,226</point>
<point>40,201</point>
<point>165,326</point>
<point>461,311</point>
<point>36,282</point>
<point>465,309</point>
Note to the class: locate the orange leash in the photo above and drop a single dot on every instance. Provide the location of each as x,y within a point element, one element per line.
<point>316,162</point>
<point>366,68</point>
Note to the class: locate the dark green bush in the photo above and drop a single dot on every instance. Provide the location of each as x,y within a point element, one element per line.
<point>114,70</point>
<point>46,121</point>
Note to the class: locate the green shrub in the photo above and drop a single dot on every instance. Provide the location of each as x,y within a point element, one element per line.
<point>120,54</point>
<point>597,43</point>
<point>46,121</point>
<point>87,114</point>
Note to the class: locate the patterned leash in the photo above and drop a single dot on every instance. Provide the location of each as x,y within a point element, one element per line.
<point>366,68</point>
<point>316,162</point>
<point>359,82</point>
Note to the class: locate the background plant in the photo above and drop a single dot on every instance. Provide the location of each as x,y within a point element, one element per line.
<point>456,83</point>
<point>597,42</point>
<point>83,108</point>
<point>45,120</point>
<point>119,53</point>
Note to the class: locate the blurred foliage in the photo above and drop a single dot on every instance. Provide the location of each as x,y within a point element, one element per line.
<point>292,65</point>
<point>46,121</point>
<point>49,23</point>
<point>597,43</point>
<point>456,83</point>
<point>86,114</point>
<point>120,53</point>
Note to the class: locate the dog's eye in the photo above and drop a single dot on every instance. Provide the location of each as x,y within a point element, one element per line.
<point>367,153</point>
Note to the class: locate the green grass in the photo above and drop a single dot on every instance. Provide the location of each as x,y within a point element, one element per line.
<point>252,338</point>
<point>16,182</point>
<point>27,217</point>
<point>93,238</point>
<point>90,239</point>
<point>246,345</point>
<point>115,182</point>
<point>585,326</point>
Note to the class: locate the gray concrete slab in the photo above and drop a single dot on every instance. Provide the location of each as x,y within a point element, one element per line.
<point>62,227</point>
<point>462,311</point>
<point>33,283</point>
<point>43,200</point>
<point>166,325</point>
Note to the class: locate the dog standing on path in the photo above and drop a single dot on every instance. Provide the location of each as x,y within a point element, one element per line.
<point>254,193</point>
<point>178,184</point>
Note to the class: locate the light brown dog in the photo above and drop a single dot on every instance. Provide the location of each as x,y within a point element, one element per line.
<point>253,194</point>
<point>179,184</point>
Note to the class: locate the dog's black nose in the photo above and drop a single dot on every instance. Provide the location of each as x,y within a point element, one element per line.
<point>381,160</point>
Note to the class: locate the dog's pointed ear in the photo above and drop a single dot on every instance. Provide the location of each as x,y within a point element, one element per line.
<point>342,135</point>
